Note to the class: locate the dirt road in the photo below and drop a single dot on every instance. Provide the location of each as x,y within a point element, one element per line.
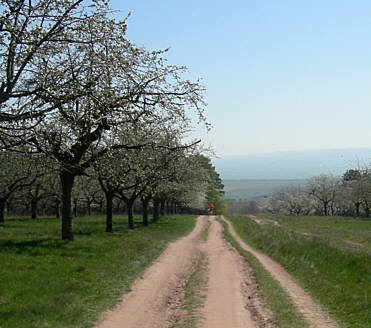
<point>155,297</point>
<point>232,297</point>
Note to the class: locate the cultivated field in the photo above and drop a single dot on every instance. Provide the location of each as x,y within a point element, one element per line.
<point>330,257</point>
<point>255,189</point>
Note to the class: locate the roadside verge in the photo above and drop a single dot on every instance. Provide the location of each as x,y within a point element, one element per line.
<point>277,283</point>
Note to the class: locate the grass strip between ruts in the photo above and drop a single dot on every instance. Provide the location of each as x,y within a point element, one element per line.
<point>205,231</point>
<point>195,295</point>
<point>285,313</point>
<point>47,282</point>
<point>195,290</point>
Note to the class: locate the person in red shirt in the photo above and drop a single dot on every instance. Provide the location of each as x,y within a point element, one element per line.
<point>211,207</point>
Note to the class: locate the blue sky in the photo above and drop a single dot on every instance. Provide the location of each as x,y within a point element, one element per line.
<point>280,74</point>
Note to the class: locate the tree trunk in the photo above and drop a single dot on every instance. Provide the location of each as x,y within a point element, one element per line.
<point>129,205</point>
<point>325,209</point>
<point>117,207</point>
<point>89,206</point>
<point>175,208</point>
<point>2,210</point>
<point>57,205</point>
<point>145,202</point>
<point>8,208</point>
<point>33,208</point>
<point>357,208</point>
<point>167,207</point>
<point>109,205</point>
<point>67,180</point>
<point>332,210</point>
<point>75,208</point>
<point>162,206</point>
<point>156,213</point>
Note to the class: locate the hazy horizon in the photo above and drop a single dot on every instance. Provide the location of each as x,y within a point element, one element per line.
<point>293,151</point>
<point>284,165</point>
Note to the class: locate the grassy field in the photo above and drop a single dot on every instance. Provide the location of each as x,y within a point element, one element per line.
<point>255,189</point>
<point>348,234</point>
<point>316,251</point>
<point>46,282</point>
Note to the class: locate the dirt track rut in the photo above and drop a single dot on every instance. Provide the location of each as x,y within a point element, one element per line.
<point>154,298</point>
<point>232,297</point>
<point>311,311</point>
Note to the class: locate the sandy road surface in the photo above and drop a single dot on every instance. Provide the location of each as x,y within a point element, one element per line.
<point>311,311</point>
<point>232,297</point>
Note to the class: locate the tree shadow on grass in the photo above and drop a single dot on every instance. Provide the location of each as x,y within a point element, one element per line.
<point>120,226</point>
<point>42,247</point>
<point>19,247</point>
<point>28,219</point>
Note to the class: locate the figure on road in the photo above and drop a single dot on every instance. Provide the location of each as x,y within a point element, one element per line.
<point>210,210</point>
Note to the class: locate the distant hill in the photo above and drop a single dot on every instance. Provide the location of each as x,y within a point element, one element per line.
<point>291,164</point>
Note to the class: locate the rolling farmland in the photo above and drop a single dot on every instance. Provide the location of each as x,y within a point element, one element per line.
<point>254,189</point>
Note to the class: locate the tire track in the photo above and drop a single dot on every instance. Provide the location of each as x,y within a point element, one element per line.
<point>156,297</point>
<point>232,299</point>
<point>311,311</point>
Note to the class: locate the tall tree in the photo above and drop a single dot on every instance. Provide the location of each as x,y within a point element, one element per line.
<point>122,85</point>
<point>109,171</point>
<point>16,173</point>
<point>214,185</point>
<point>31,31</point>
<point>38,191</point>
<point>324,188</point>
<point>352,183</point>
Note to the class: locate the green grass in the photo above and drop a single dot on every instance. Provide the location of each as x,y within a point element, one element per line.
<point>195,296</point>
<point>348,234</point>
<point>195,290</point>
<point>285,313</point>
<point>338,278</point>
<point>205,232</point>
<point>46,282</point>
